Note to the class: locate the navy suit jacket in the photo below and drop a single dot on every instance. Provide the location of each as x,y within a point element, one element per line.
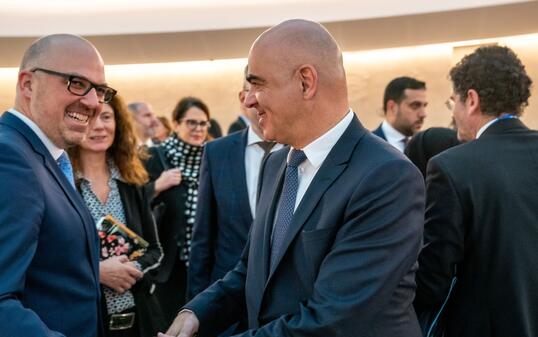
<point>49,263</point>
<point>223,216</point>
<point>348,264</point>
<point>379,132</point>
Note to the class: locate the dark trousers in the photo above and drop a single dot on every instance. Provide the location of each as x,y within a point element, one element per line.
<point>172,293</point>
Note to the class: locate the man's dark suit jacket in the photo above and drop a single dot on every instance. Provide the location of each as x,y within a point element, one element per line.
<point>482,216</point>
<point>348,263</point>
<point>49,257</point>
<point>379,132</point>
<point>237,125</point>
<point>223,215</point>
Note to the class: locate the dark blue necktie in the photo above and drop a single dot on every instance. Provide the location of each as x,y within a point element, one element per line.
<point>65,166</point>
<point>286,204</point>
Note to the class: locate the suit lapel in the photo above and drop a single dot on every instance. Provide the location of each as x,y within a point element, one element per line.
<point>330,170</point>
<point>72,195</point>
<point>275,191</point>
<point>260,236</point>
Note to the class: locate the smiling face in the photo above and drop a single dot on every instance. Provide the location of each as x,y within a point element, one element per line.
<point>61,115</point>
<point>274,94</point>
<point>102,130</point>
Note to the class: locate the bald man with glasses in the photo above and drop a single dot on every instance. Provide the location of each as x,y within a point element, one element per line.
<point>49,284</point>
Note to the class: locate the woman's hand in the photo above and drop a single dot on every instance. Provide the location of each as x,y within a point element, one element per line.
<point>118,273</point>
<point>167,179</point>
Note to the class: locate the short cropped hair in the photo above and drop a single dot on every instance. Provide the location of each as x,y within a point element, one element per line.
<point>395,90</point>
<point>499,78</point>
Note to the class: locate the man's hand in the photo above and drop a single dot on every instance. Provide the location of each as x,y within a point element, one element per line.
<point>118,273</point>
<point>167,179</point>
<point>185,325</point>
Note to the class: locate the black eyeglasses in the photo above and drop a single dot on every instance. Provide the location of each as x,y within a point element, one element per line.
<point>81,86</point>
<point>192,123</point>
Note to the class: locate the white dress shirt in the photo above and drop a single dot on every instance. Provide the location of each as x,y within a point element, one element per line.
<point>54,150</point>
<point>394,137</point>
<point>316,152</point>
<point>253,159</point>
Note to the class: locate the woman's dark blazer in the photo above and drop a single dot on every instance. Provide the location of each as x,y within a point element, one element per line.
<point>172,223</point>
<point>140,219</point>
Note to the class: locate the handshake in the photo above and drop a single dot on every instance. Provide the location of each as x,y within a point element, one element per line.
<point>185,325</point>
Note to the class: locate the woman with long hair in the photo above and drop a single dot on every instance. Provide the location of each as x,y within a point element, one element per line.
<point>110,178</point>
<point>180,157</point>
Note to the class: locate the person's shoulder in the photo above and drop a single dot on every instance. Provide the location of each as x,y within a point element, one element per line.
<point>378,149</point>
<point>13,141</point>
<point>224,142</point>
<point>460,152</point>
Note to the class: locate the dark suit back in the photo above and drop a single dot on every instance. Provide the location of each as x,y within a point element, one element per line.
<point>49,258</point>
<point>223,215</point>
<point>482,216</point>
<point>348,261</point>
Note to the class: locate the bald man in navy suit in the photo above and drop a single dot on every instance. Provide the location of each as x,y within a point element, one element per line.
<point>333,249</point>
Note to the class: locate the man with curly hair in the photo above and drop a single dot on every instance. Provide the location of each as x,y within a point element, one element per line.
<point>482,208</point>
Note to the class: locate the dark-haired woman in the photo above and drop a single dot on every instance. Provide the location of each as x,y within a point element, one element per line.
<point>110,176</point>
<point>179,158</point>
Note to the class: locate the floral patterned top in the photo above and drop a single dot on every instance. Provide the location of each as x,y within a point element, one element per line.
<point>115,302</point>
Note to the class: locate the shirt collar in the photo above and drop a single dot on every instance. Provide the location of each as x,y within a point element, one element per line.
<point>54,150</point>
<point>488,124</point>
<point>252,137</point>
<point>393,136</point>
<point>319,149</point>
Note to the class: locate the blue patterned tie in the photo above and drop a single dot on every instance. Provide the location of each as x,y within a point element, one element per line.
<point>65,166</point>
<point>286,204</point>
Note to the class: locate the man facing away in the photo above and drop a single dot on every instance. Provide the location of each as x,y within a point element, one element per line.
<point>404,106</point>
<point>333,248</point>
<point>482,208</point>
<point>49,284</point>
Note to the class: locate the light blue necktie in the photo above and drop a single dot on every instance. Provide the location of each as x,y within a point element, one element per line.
<point>67,169</point>
<point>286,205</point>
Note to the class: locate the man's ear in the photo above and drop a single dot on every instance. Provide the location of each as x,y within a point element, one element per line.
<point>242,95</point>
<point>391,107</point>
<point>473,102</point>
<point>25,83</point>
<point>309,80</point>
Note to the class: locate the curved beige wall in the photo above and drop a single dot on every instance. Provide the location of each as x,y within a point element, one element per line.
<point>218,82</point>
